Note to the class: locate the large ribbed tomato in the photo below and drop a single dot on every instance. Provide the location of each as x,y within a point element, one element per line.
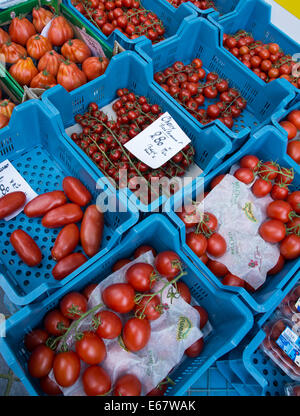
<point>12,52</point>
<point>60,31</point>
<point>20,30</point>
<point>6,107</point>
<point>50,62</point>
<point>37,46</point>
<point>43,80</point>
<point>93,67</point>
<point>4,36</point>
<point>40,17</point>
<point>23,71</point>
<point>75,50</point>
<point>70,76</point>
<point>3,121</point>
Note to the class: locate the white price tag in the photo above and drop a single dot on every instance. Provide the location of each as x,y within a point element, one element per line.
<point>159,142</point>
<point>12,181</point>
<point>94,46</point>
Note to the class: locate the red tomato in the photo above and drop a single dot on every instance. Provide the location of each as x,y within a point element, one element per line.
<point>294,118</point>
<point>217,268</point>
<point>20,30</point>
<point>75,50</point>
<point>91,230</point>
<point>204,258</point>
<point>90,348</point>
<point>195,349</point>
<point>268,171</point>
<point>119,297</point>
<point>279,210</point>
<point>35,338</point>
<point>197,243</point>
<point>49,387</point>
<point>168,264</point>
<point>119,264</point>
<point>184,291</point>
<point>63,215</point>
<point>216,181</point>
<point>261,188</point>
<point>285,176</point>
<point>56,323</point>
<point>136,334</point>
<point>26,248</point>
<point>203,315</point>
<point>73,305</point>
<point>294,200</point>
<point>66,242</point>
<point>272,231</point>
<point>279,192</point>
<point>278,266</point>
<point>66,368</point>
<point>290,129</point>
<point>127,385</point>
<point>11,202</point>
<point>209,223</point>
<point>141,276</point>
<point>189,215</point>
<point>110,326</point>
<point>244,175</point>
<point>23,71</point>
<point>142,250</point>
<point>60,31</point>
<point>68,265</point>
<point>40,361</point>
<point>96,381</point>
<point>290,247</point>
<point>158,390</point>
<point>232,280</point>
<point>216,245</point>
<point>76,191</point>
<point>43,203</point>
<point>94,66</point>
<point>293,150</point>
<point>87,291</point>
<point>150,309</point>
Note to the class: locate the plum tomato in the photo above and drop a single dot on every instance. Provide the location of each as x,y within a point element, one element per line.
<point>203,315</point>
<point>73,305</point>
<point>184,291</point>
<point>141,276</point>
<point>136,334</point>
<point>195,349</point>
<point>56,323</point>
<point>150,309</point>
<point>110,325</point>
<point>216,245</point>
<point>233,280</point>
<point>40,361</point>
<point>119,297</point>
<point>90,348</point>
<point>34,338</point>
<point>142,250</point>
<point>127,385</point>
<point>217,268</point>
<point>96,381</point>
<point>272,231</point>
<point>244,175</point>
<point>66,368</point>
<point>168,264</point>
<point>197,243</point>
<point>279,210</point>
<point>261,188</point>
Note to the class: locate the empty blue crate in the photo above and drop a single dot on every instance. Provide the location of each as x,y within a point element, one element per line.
<point>34,145</point>
<point>128,70</point>
<point>230,318</point>
<point>255,18</point>
<point>257,374</point>
<point>200,39</point>
<point>267,144</point>
<point>173,19</point>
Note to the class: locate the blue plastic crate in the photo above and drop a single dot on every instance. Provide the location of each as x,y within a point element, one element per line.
<point>212,383</point>
<point>200,39</point>
<point>256,372</point>
<point>230,318</point>
<point>173,19</point>
<point>129,70</point>
<point>255,17</point>
<point>223,9</point>
<point>267,144</point>
<point>33,144</point>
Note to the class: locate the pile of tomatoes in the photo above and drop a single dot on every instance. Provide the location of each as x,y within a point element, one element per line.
<point>103,140</point>
<point>201,4</point>
<point>58,212</point>
<point>50,351</point>
<point>292,127</point>
<point>6,109</point>
<point>283,225</point>
<point>186,84</point>
<point>267,61</point>
<point>42,61</point>
<point>128,16</point>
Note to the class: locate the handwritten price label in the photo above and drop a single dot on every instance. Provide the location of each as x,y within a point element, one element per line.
<point>12,181</point>
<point>159,142</point>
